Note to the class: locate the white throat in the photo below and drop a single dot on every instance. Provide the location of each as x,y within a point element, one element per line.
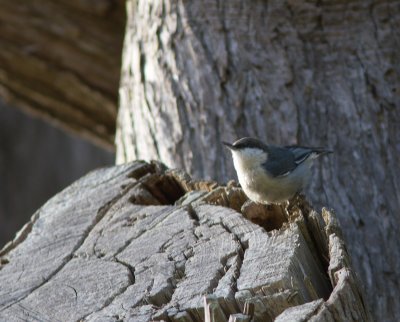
<point>248,159</point>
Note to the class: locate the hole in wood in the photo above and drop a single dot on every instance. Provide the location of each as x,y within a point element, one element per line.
<point>270,217</point>
<point>157,189</point>
<point>141,171</point>
<point>160,187</point>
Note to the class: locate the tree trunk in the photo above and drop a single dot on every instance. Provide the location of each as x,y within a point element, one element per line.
<point>138,242</point>
<point>314,73</point>
<point>61,60</point>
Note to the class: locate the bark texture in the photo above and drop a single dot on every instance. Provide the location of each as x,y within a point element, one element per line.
<point>138,242</point>
<point>61,60</point>
<point>308,72</point>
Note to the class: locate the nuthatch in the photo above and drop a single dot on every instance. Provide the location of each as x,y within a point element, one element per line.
<point>272,174</point>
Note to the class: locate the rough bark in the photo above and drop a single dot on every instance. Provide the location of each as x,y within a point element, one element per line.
<point>308,72</point>
<point>61,60</point>
<point>138,242</point>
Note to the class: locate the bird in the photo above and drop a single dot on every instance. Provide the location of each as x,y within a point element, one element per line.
<point>270,174</point>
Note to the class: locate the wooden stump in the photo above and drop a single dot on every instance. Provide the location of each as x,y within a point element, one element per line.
<point>139,242</point>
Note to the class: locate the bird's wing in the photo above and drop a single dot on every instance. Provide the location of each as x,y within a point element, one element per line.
<point>280,162</point>
<point>283,160</point>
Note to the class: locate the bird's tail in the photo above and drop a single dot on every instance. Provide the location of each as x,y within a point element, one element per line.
<point>302,153</point>
<point>321,151</point>
<point>317,152</point>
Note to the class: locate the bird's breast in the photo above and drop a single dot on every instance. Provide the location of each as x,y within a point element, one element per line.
<point>261,187</point>
<point>254,183</point>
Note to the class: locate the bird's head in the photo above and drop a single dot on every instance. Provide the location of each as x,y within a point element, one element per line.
<point>248,152</point>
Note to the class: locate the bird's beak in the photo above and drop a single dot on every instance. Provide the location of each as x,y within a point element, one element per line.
<point>228,145</point>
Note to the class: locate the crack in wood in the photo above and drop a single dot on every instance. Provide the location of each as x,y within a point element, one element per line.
<point>74,290</point>
<point>192,213</point>
<point>19,238</point>
<point>244,245</point>
<point>129,241</point>
<point>164,247</point>
<point>110,300</point>
<point>35,315</point>
<point>177,254</point>
<point>100,215</point>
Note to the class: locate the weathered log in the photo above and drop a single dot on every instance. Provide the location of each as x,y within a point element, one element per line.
<point>139,242</point>
<point>61,61</point>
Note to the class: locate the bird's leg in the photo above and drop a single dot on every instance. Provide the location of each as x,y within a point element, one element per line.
<point>247,203</point>
<point>293,202</point>
<point>284,209</point>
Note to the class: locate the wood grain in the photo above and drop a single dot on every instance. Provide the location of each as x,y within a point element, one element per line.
<point>94,253</point>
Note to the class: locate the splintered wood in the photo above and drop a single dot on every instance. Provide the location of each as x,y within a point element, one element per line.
<point>140,242</point>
